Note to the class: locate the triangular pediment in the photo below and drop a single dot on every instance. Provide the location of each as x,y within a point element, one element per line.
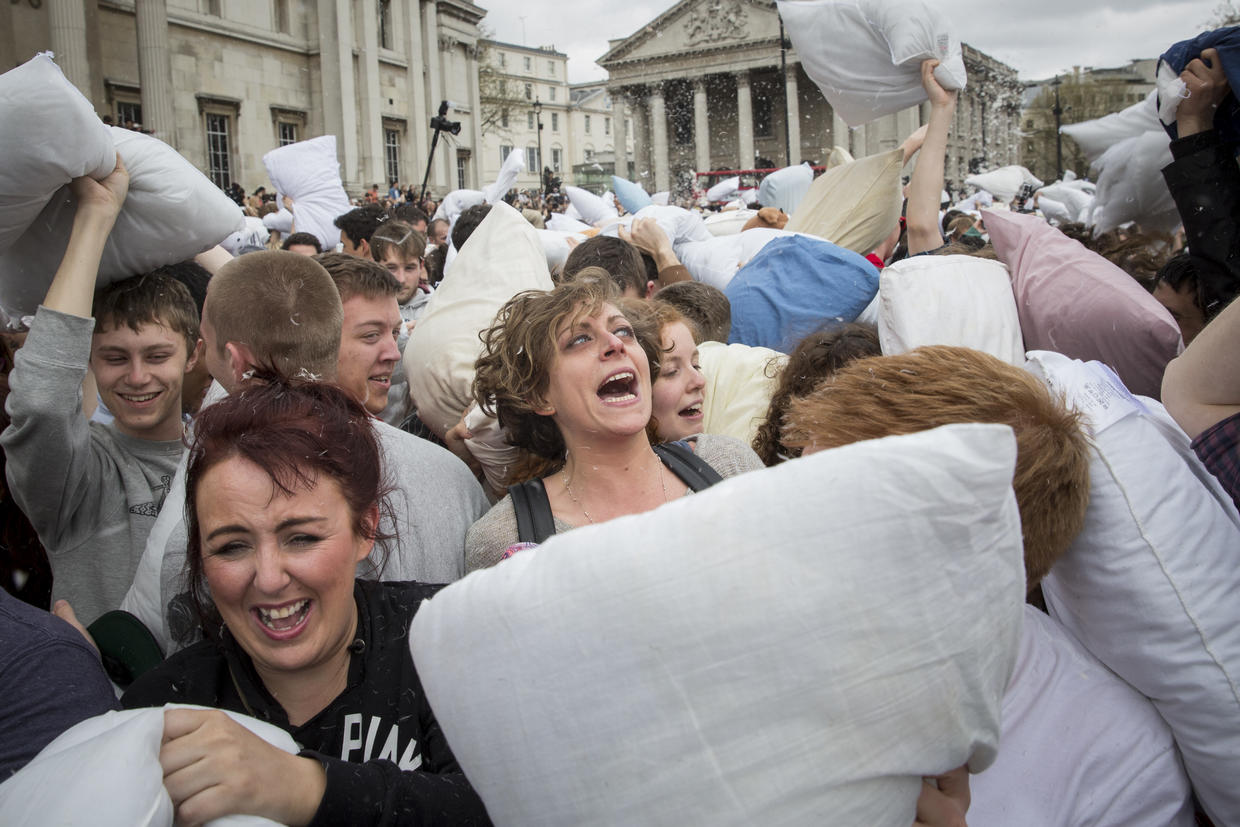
<point>697,26</point>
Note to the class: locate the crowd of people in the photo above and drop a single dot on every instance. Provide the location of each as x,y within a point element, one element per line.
<point>227,449</point>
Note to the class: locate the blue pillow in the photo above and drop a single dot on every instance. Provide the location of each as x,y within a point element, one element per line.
<point>631,196</point>
<point>795,286</point>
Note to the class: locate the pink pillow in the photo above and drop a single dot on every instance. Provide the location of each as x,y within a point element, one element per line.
<point>1075,302</point>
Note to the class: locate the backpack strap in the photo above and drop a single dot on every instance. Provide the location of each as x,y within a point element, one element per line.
<point>681,460</point>
<point>534,521</point>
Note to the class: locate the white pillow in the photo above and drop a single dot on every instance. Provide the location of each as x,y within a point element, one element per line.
<point>855,205</point>
<point>1100,134</point>
<point>105,771</point>
<point>309,173</point>
<point>796,645</point>
<point>728,223</point>
<point>1150,584</point>
<point>556,247</point>
<point>171,213</point>
<point>509,171</point>
<point>785,187</point>
<point>457,202</point>
<point>866,55</point>
<point>562,222</point>
<point>1131,186</point>
<point>716,260</point>
<point>592,208</point>
<point>503,257</point>
<point>489,445</point>
<point>51,135</point>
<point>1004,183</point>
<point>739,382</point>
<point>679,224</point>
<point>660,199</point>
<point>253,234</point>
<point>725,190</point>
<point>281,220</point>
<point>949,300</point>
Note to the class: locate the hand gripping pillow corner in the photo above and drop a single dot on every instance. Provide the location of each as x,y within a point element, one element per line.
<point>503,257</point>
<point>796,645</point>
<point>1150,584</point>
<point>105,771</point>
<point>172,212</point>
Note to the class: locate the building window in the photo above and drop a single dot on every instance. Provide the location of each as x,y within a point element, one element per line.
<point>555,121</point>
<point>503,118</point>
<point>532,162</point>
<point>551,92</point>
<point>529,120</point>
<point>762,112</point>
<point>385,24</point>
<point>211,7</point>
<point>587,124</point>
<point>281,16</point>
<point>589,153</point>
<point>287,124</point>
<point>529,91</point>
<point>504,151</point>
<point>219,159</point>
<point>551,68</point>
<point>286,133</point>
<point>528,65</point>
<point>391,153</point>
<point>557,155</point>
<point>127,111</point>
<point>462,164</point>
<point>503,60</point>
<point>606,126</point>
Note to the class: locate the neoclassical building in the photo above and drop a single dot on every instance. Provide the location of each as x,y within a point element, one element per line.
<point>225,81</point>
<point>708,88</point>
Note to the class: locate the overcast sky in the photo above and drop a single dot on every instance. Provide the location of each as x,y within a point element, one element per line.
<point>1037,37</point>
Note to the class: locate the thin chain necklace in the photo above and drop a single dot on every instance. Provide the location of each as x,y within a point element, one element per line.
<point>568,489</point>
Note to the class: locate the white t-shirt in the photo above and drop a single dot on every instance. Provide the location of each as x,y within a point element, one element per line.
<point>1079,745</point>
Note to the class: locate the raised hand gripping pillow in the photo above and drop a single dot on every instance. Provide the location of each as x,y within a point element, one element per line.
<point>865,55</point>
<point>797,645</point>
<point>1149,586</point>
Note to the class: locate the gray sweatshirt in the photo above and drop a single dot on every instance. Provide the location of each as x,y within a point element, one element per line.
<point>91,492</point>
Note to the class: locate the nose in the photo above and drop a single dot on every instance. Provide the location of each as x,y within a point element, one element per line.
<point>697,380</point>
<point>270,574</point>
<point>612,344</point>
<point>391,352</point>
<point>137,374</point>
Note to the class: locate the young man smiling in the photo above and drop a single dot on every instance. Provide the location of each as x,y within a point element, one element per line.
<point>93,491</point>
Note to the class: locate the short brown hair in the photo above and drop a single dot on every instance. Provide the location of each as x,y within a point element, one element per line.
<point>620,259</point>
<point>815,357</point>
<point>284,307</point>
<point>513,373</point>
<point>399,238</point>
<point>705,305</point>
<point>933,386</point>
<point>358,276</point>
<point>152,298</point>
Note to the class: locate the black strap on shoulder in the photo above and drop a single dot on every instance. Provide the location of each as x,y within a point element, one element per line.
<point>693,471</point>
<point>534,520</point>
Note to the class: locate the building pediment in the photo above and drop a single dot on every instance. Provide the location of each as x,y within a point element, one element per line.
<point>697,26</point>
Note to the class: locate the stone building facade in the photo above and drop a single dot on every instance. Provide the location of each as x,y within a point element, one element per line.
<point>594,130</point>
<point>225,81</point>
<point>709,89</point>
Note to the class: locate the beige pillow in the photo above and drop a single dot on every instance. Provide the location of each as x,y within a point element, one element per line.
<point>739,382</point>
<point>855,205</point>
<point>503,257</point>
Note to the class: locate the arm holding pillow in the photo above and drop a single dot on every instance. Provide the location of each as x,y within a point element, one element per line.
<point>926,187</point>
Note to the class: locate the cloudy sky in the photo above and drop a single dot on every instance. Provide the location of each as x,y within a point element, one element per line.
<point>1038,37</point>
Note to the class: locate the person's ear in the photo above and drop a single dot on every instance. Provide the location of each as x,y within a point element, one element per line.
<point>370,527</point>
<point>651,287</point>
<point>240,362</point>
<point>364,247</point>
<point>194,356</point>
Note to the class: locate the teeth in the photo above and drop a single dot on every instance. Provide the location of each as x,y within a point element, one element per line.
<point>141,397</point>
<point>624,398</point>
<point>625,375</point>
<point>269,615</point>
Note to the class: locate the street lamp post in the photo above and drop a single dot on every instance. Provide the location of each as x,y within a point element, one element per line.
<point>1058,113</point>
<point>542,183</point>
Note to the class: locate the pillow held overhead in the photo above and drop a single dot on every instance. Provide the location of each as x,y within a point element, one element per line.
<point>592,208</point>
<point>785,188</point>
<point>309,173</point>
<point>1073,301</point>
<point>865,55</point>
<point>738,655</point>
<point>856,205</point>
<point>630,195</point>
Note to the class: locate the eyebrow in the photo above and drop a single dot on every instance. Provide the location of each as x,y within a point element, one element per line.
<point>291,522</point>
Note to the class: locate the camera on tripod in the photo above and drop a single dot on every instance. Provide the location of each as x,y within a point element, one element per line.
<point>440,122</point>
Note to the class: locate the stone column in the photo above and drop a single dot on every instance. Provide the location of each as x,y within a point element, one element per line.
<point>744,121</point>
<point>658,138</point>
<point>346,141</point>
<point>701,129</point>
<point>415,75</point>
<point>372,169</point>
<point>839,132</point>
<point>155,68</point>
<point>67,21</point>
<point>792,111</point>
<point>476,165</point>
<point>641,143</point>
<point>857,142</point>
<point>620,131</point>
<point>434,91</point>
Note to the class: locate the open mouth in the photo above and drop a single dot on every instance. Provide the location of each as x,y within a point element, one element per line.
<point>383,379</point>
<point>284,618</point>
<point>138,398</point>
<point>619,387</point>
<point>694,411</point>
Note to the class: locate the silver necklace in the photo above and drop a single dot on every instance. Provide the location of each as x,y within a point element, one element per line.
<point>569,490</point>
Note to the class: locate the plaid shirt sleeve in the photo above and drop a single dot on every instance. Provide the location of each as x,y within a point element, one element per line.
<point>1218,447</point>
